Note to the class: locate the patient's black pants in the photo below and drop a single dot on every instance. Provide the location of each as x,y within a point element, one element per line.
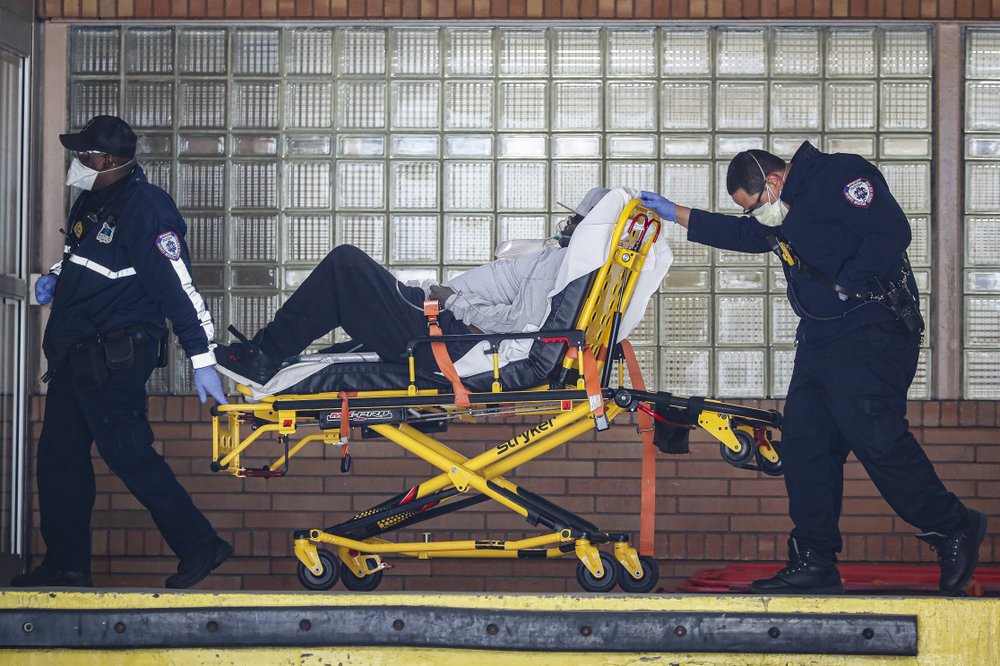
<point>351,290</point>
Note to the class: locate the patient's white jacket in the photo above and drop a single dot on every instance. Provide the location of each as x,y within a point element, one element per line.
<point>507,295</point>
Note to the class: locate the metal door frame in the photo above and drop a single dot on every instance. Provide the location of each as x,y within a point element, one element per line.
<point>17,38</point>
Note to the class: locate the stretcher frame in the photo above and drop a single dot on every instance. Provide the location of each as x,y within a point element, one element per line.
<point>578,400</point>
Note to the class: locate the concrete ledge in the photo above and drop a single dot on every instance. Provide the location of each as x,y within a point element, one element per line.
<point>153,627</point>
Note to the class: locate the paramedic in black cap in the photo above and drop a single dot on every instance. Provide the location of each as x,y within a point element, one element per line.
<point>125,268</point>
<point>842,238</point>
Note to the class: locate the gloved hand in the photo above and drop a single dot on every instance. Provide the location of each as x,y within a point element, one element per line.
<point>207,382</point>
<point>659,205</point>
<point>45,288</point>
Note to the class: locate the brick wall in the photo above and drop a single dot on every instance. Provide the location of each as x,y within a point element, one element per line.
<point>708,512</point>
<point>521,9</point>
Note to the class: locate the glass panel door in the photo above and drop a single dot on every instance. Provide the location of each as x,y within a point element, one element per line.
<point>13,291</point>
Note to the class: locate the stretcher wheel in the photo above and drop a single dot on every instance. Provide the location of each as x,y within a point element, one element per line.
<point>768,467</point>
<point>747,449</point>
<point>590,583</point>
<point>364,584</point>
<point>327,579</point>
<point>650,576</point>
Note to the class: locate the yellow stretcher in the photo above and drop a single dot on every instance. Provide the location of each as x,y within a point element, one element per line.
<point>573,396</point>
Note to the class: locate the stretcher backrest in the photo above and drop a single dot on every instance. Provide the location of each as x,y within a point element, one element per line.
<point>544,360</point>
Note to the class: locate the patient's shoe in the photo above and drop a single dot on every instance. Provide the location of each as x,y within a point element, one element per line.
<point>808,572</point>
<point>958,553</point>
<point>195,567</point>
<point>245,361</point>
<point>44,576</point>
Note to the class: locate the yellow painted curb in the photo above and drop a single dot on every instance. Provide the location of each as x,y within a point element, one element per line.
<point>951,632</point>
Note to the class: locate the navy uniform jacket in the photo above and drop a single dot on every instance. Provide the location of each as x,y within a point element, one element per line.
<point>126,263</point>
<point>843,222</point>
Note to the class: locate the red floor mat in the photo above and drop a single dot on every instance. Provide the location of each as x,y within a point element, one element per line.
<point>858,578</point>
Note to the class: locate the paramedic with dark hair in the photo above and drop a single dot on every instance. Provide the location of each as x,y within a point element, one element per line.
<point>843,237</point>
<point>125,267</point>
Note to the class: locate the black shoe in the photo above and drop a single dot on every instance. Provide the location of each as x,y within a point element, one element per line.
<point>958,554</point>
<point>808,572</point>
<point>194,568</point>
<point>245,361</point>
<point>44,576</point>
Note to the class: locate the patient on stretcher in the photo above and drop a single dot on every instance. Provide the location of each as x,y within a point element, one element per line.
<point>349,289</point>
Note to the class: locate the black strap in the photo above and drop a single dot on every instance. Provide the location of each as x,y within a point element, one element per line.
<point>787,255</point>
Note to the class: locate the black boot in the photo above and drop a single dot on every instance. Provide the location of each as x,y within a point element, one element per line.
<point>245,361</point>
<point>808,572</point>
<point>958,553</point>
<point>195,567</point>
<point>44,576</point>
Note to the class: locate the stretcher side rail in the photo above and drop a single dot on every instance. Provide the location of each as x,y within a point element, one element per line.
<point>572,337</point>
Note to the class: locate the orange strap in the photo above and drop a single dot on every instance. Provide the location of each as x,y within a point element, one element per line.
<point>592,383</point>
<point>448,368</point>
<point>647,510</point>
<point>345,416</point>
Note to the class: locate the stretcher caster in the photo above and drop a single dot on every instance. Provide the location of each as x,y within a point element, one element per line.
<point>592,583</point>
<point>768,466</point>
<point>650,576</point>
<point>365,583</point>
<point>325,580</point>
<point>742,456</point>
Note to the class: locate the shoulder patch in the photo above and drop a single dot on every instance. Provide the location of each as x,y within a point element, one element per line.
<point>169,245</point>
<point>860,192</point>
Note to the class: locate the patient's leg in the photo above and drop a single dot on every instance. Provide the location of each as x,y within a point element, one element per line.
<point>348,289</point>
<point>351,290</point>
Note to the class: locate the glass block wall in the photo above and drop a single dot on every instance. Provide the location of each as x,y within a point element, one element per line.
<point>981,335</point>
<point>426,146</point>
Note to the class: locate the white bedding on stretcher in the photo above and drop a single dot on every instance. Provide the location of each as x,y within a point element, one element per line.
<point>588,250</point>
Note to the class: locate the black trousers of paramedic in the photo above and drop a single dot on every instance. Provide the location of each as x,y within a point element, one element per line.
<point>849,394</point>
<point>351,290</point>
<point>113,416</point>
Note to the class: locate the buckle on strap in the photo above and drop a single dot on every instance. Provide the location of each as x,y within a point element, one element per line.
<point>431,310</point>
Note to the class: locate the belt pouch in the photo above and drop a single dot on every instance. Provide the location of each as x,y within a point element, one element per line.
<point>119,351</point>
<point>86,360</point>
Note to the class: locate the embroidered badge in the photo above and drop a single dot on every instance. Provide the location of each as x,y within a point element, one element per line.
<point>78,229</point>
<point>106,233</point>
<point>169,245</point>
<point>860,192</point>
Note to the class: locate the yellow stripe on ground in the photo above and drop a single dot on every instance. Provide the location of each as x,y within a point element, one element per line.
<point>950,631</point>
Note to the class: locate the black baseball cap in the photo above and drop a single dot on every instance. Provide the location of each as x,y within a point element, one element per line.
<point>109,134</point>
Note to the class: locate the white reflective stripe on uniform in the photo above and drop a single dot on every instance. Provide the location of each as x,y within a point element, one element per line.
<point>56,268</point>
<point>203,360</point>
<point>204,316</point>
<point>101,270</point>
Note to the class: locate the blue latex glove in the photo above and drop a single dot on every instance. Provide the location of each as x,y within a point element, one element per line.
<point>206,381</point>
<point>45,288</point>
<point>662,207</point>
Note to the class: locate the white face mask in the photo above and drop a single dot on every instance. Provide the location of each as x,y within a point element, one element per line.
<point>772,213</point>
<point>81,175</point>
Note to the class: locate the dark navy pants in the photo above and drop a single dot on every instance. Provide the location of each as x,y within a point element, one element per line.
<point>349,289</point>
<point>849,394</point>
<point>113,416</point>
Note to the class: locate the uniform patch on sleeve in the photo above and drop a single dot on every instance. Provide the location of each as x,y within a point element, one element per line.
<point>860,193</point>
<point>169,245</point>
